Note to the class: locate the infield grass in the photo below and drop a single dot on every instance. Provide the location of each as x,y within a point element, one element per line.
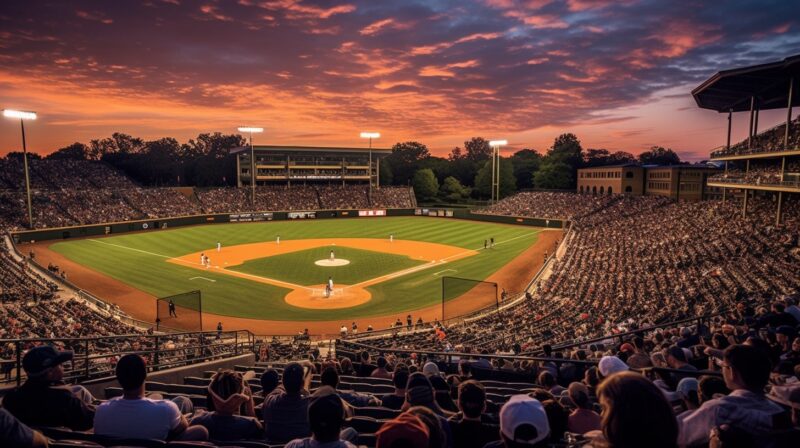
<point>140,260</point>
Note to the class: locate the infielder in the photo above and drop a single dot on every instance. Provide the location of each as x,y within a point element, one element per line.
<point>219,246</point>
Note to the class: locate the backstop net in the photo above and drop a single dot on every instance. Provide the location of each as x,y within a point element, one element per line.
<point>462,296</point>
<point>182,311</point>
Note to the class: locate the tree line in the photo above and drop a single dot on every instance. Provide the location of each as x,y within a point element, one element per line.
<point>465,173</point>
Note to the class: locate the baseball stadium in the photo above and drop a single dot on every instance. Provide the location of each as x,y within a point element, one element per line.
<point>228,293</point>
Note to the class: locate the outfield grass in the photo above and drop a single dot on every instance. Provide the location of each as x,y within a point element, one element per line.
<point>364,265</point>
<point>139,260</point>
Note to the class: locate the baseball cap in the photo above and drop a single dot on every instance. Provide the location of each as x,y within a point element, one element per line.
<point>39,359</point>
<point>626,347</point>
<point>522,410</point>
<point>405,430</point>
<point>430,369</point>
<point>610,365</point>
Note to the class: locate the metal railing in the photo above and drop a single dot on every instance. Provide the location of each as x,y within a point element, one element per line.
<point>95,357</point>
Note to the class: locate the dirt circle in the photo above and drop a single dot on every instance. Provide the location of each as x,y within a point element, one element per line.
<point>332,263</point>
<point>313,297</point>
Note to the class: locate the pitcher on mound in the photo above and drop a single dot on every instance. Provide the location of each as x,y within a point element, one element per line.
<point>330,284</point>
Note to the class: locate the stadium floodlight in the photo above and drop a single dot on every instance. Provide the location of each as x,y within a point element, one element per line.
<point>24,115</point>
<point>370,136</point>
<point>496,144</point>
<point>253,170</point>
<point>21,114</point>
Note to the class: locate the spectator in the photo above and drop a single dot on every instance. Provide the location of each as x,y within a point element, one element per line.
<point>269,381</point>
<point>635,414</point>
<point>523,424</point>
<point>380,371</point>
<point>44,399</point>
<point>399,379</point>
<point>232,415</point>
<point>14,433</point>
<point>438,429</point>
<point>746,372</point>
<point>610,365</point>
<point>326,415</point>
<point>405,431</point>
<point>583,419</point>
<point>419,392</point>
<point>468,426</point>
<point>330,378</point>
<point>286,411</point>
<point>133,416</point>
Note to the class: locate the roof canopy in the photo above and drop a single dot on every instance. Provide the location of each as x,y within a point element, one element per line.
<point>769,83</point>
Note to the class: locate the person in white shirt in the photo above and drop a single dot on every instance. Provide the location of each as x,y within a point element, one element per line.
<point>219,246</point>
<point>133,416</point>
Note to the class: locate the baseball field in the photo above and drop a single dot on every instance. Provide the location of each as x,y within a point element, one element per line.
<point>271,277</point>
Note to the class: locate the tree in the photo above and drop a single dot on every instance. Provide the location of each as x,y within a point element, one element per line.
<point>566,150</point>
<point>385,172</point>
<point>554,174</point>
<point>525,162</point>
<point>163,159</point>
<point>658,155</point>
<point>620,158</point>
<point>477,149</point>
<point>17,155</point>
<point>452,190</point>
<point>404,160</point>
<point>483,180</point>
<point>75,151</point>
<point>425,184</point>
<point>455,154</point>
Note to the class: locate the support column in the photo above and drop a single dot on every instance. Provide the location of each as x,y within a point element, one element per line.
<point>778,219</point>
<point>755,122</point>
<point>750,129</point>
<point>730,123</point>
<point>788,115</point>
<point>239,170</point>
<point>783,167</point>
<point>744,205</point>
<point>724,190</point>
<point>378,175</point>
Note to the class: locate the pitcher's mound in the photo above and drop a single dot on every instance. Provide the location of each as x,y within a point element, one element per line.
<point>313,297</point>
<point>334,262</point>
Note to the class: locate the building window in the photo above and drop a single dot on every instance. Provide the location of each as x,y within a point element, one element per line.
<point>628,189</point>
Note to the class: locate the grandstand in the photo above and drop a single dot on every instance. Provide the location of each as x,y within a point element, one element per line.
<point>654,321</point>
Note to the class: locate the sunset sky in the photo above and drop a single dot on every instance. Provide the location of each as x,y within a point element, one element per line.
<point>616,73</point>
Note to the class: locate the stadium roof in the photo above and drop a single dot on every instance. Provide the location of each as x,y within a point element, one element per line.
<point>334,149</point>
<point>769,83</point>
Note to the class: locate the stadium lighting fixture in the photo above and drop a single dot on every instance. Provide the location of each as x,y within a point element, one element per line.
<point>496,144</point>
<point>24,115</point>
<point>370,136</point>
<point>253,170</point>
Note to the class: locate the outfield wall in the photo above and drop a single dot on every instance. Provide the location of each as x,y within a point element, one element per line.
<point>148,225</point>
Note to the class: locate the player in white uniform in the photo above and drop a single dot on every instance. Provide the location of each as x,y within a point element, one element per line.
<point>219,246</point>
<point>330,284</point>
<point>202,259</point>
<point>208,262</point>
<point>391,238</point>
<point>333,257</point>
<point>278,240</point>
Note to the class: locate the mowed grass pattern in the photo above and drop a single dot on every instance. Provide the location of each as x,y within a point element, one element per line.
<point>139,260</point>
<point>299,268</point>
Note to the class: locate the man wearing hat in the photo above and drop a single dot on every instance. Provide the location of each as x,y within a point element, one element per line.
<point>44,399</point>
<point>523,424</point>
<point>326,417</point>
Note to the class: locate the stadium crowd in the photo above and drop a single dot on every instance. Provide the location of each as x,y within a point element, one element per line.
<point>548,205</point>
<point>767,141</point>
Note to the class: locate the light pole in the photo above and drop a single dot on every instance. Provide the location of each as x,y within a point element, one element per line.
<point>253,169</point>
<point>370,136</point>
<point>22,115</point>
<point>496,144</point>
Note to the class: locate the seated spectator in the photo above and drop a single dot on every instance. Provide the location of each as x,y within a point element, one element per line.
<point>441,392</point>
<point>746,372</point>
<point>419,392</point>
<point>269,381</point>
<point>548,382</point>
<point>133,416</point>
<point>687,392</point>
<point>438,428</point>
<point>583,419</point>
<point>399,379</point>
<point>468,426</point>
<point>610,365</point>
<point>326,416</point>
<point>639,358</point>
<point>44,399</point>
<point>405,431</point>
<point>286,411</point>
<point>523,424</point>
<point>232,415</point>
<point>635,414</point>
<point>676,359</point>
<point>330,378</point>
<point>14,433</point>
<point>380,371</point>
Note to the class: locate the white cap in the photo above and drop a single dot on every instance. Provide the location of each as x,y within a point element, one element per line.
<point>430,369</point>
<point>524,410</point>
<point>610,365</point>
